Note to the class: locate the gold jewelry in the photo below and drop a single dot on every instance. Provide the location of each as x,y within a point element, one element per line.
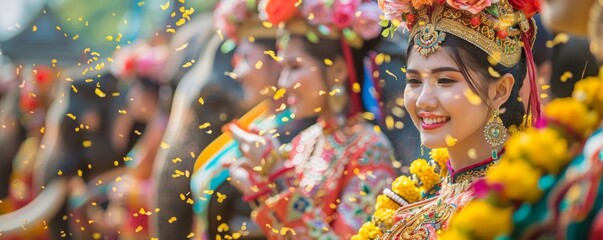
<point>495,132</point>
<point>498,34</point>
<point>337,98</point>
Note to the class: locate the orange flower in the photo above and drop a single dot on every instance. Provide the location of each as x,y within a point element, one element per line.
<point>420,3</point>
<point>279,11</point>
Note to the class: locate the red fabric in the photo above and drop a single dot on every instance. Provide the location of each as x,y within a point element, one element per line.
<point>355,104</point>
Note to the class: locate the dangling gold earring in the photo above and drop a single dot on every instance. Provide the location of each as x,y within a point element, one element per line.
<point>422,150</point>
<point>495,132</point>
<point>337,98</point>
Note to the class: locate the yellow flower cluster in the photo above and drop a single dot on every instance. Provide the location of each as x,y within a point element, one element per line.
<point>405,187</point>
<point>475,213</point>
<point>572,113</point>
<point>425,172</point>
<point>440,156</point>
<point>533,154</point>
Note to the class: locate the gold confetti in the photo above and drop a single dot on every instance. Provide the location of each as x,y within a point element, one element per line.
<point>450,141</point>
<point>141,3</point>
<point>127,159</point>
<point>391,74</point>
<point>70,115</point>
<point>221,197</point>
<point>190,235</point>
<point>204,125</point>
<point>75,37</point>
<point>201,101</point>
<point>172,220</point>
<point>493,73</point>
<point>223,227</point>
<point>73,88</point>
<point>472,153</point>
<point>180,22</point>
<point>42,130</point>
<point>165,6</point>
<point>389,122</point>
<point>122,111</point>
<point>566,76</point>
<point>87,143</point>
<point>187,64</point>
<point>328,62</point>
<point>258,65</point>
<point>138,229</point>
<point>119,36</point>
<point>164,145</point>
<point>99,92</point>
<point>170,30</point>
<point>185,45</point>
<point>472,97</point>
<point>317,110</point>
<point>109,38</point>
<point>34,28</point>
<point>175,160</point>
<point>79,173</point>
<point>273,55</point>
<point>279,94</point>
<point>60,173</point>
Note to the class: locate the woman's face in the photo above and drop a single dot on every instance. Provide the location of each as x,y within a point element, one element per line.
<point>141,102</point>
<point>441,103</point>
<point>255,70</point>
<point>303,76</point>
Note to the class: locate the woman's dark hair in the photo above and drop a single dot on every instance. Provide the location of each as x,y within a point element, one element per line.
<point>328,48</point>
<point>468,56</point>
<point>266,43</point>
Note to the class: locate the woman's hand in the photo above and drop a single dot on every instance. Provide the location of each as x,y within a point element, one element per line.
<point>253,146</point>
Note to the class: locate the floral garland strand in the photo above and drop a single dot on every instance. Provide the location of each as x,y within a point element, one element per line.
<point>539,154</point>
<point>426,175</point>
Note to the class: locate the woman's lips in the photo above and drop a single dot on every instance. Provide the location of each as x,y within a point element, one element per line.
<point>433,122</point>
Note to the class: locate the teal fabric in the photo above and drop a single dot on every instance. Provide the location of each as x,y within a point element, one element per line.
<point>567,196</point>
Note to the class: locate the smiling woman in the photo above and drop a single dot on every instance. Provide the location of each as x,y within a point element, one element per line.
<point>464,75</point>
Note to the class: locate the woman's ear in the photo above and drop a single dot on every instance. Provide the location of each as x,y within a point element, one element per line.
<point>337,73</point>
<point>500,91</point>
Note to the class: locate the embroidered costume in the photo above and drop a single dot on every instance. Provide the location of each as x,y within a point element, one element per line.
<point>327,188</point>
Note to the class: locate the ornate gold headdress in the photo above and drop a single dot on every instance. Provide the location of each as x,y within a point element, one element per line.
<point>497,32</point>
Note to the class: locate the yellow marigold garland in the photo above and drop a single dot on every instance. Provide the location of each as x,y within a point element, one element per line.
<point>425,176</point>
<point>540,152</point>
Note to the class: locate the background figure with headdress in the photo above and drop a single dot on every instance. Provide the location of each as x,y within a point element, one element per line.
<point>559,194</point>
<point>36,93</point>
<point>324,183</point>
<point>464,75</point>
<point>217,202</point>
<point>204,99</point>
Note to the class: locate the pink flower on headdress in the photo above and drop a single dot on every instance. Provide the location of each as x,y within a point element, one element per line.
<point>229,13</point>
<point>366,24</point>
<point>321,14</point>
<point>394,9</point>
<point>343,15</point>
<point>473,6</point>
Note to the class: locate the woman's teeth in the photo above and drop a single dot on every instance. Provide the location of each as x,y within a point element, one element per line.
<point>435,120</point>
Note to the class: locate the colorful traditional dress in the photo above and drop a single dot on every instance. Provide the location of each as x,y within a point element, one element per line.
<point>426,219</point>
<point>328,186</point>
<point>571,209</point>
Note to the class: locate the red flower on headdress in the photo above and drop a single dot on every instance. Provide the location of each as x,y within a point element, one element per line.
<point>529,7</point>
<point>278,11</point>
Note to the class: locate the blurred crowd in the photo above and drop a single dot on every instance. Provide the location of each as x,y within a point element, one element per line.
<point>109,153</point>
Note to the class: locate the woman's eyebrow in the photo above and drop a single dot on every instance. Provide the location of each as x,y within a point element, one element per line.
<point>435,70</point>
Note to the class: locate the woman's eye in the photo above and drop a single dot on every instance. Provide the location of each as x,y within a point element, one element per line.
<point>446,81</point>
<point>413,81</point>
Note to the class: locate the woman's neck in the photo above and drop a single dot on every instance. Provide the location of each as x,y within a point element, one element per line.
<point>469,152</point>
